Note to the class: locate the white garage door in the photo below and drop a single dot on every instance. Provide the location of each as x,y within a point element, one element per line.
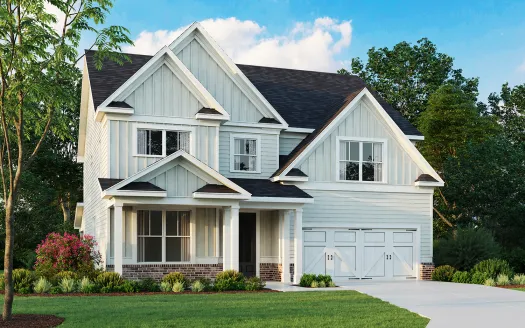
<point>361,253</point>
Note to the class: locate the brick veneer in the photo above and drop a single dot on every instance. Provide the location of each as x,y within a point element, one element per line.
<point>157,271</point>
<point>270,271</point>
<point>425,271</point>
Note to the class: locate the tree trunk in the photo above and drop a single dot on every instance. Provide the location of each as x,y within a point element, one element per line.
<point>8,260</point>
<point>65,210</point>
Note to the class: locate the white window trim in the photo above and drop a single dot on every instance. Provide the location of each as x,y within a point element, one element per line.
<point>163,128</point>
<point>258,149</point>
<point>356,139</point>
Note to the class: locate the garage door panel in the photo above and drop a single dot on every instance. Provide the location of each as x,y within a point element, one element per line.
<point>403,237</point>
<point>345,236</point>
<point>314,259</point>
<point>374,261</point>
<point>345,261</point>
<point>315,236</point>
<point>374,237</point>
<point>403,261</point>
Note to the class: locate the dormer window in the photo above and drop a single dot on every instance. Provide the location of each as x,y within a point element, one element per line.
<point>361,160</point>
<point>154,142</point>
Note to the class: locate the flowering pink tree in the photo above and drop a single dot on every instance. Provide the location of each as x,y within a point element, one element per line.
<point>66,252</point>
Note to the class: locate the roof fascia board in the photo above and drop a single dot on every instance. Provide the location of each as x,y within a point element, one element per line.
<point>218,52</point>
<point>428,184</point>
<point>215,195</point>
<point>299,130</point>
<point>286,178</point>
<point>255,125</point>
<point>281,200</point>
<point>414,137</point>
<point>102,111</point>
<point>133,193</point>
<point>213,117</point>
<point>84,104</point>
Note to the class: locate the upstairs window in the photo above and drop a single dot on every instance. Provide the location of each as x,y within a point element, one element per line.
<point>361,161</point>
<point>245,152</point>
<point>161,143</point>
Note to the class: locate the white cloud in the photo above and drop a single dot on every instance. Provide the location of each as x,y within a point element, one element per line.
<point>59,15</point>
<point>308,45</point>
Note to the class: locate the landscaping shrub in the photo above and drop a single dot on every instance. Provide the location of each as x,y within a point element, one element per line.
<point>87,286</point>
<point>307,279</point>
<point>443,273</point>
<point>331,284</point>
<point>109,282</point>
<point>321,279</point>
<point>42,286</point>
<point>55,290</point>
<point>68,285</point>
<point>322,284</point>
<point>61,275</point>
<point>490,282</point>
<point>462,277</point>
<point>197,286</point>
<point>254,283</point>
<point>178,287</point>
<point>519,279</point>
<point>314,284</point>
<point>465,248</point>
<point>23,280</point>
<point>493,267</point>
<point>66,252</point>
<point>129,286</point>
<point>502,280</point>
<point>479,278</point>
<point>148,285</point>
<point>206,283</point>
<point>324,278</point>
<point>165,286</point>
<point>174,277</point>
<point>229,280</point>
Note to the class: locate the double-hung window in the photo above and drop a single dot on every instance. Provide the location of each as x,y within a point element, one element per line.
<point>163,236</point>
<point>361,161</point>
<point>245,152</point>
<point>151,142</point>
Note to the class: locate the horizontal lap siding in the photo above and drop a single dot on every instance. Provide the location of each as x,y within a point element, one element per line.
<point>321,164</point>
<point>286,145</point>
<point>218,83</point>
<point>347,208</point>
<point>269,156</point>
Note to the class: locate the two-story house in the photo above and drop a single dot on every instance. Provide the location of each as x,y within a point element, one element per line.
<point>195,164</point>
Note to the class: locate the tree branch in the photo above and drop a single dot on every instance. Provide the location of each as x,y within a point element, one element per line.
<point>443,218</point>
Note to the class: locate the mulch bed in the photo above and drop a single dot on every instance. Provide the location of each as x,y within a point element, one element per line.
<point>512,286</point>
<point>32,321</point>
<point>265,290</point>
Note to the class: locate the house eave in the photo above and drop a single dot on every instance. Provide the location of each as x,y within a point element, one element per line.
<point>107,194</point>
<point>211,195</point>
<point>213,117</point>
<point>280,200</point>
<point>102,111</point>
<point>429,184</point>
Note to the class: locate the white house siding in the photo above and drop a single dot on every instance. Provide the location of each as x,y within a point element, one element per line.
<point>206,232</point>
<point>269,155</point>
<point>288,142</point>
<point>163,94</point>
<point>95,166</point>
<point>269,236</point>
<point>375,208</point>
<point>125,163</point>
<point>363,122</point>
<point>218,83</point>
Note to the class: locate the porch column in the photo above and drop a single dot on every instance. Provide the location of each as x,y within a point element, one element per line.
<point>226,243</point>
<point>285,254</point>
<point>234,237</point>
<point>298,251</point>
<point>117,252</point>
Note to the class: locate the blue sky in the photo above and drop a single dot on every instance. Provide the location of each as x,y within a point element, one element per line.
<point>486,38</point>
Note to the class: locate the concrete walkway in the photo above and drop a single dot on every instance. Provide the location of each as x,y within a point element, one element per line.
<point>446,304</point>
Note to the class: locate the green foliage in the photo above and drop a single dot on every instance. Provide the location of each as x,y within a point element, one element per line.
<point>109,282</point>
<point>207,283</point>
<point>68,285</point>
<point>42,286</point>
<point>314,284</point>
<point>479,278</point>
<point>324,278</point>
<point>307,279</point>
<point>255,283</point>
<point>61,275</point>
<point>23,280</point>
<point>331,284</point>
<point>490,282</point>
<point>322,284</point>
<point>502,280</point>
<point>178,287</point>
<point>519,279</point>
<point>148,285</point>
<point>406,75</point>
<point>165,287</point>
<point>443,273</point>
<point>55,290</point>
<point>87,286</point>
<point>509,107</point>
<point>197,286</point>
<point>465,247</point>
<point>462,277</point>
<point>174,277</point>
<point>129,286</point>
<point>493,267</point>
<point>229,280</point>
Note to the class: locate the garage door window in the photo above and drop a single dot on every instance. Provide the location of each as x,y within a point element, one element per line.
<point>361,161</point>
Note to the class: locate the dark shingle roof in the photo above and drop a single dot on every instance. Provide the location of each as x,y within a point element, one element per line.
<point>120,104</point>
<point>426,177</point>
<point>206,110</point>
<point>135,186</point>
<point>296,173</point>
<point>108,183</point>
<point>266,188</point>
<point>269,120</point>
<point>215,188</point>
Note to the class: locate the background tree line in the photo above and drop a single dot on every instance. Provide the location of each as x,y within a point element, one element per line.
<point>478,148</point>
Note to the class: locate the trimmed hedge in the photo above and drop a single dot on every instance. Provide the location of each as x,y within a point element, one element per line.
<point>443,273</point>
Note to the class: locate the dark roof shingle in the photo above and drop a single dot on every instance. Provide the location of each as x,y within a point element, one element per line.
<point>266,188</point>
<point>215,188</point>
<point>426,177</point>
<point>106,183</point>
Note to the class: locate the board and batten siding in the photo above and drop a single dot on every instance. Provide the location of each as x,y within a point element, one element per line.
<point>207,232</point>
<point>221,86</point>
<point>269,155</point>
<point>125,163</point>
<point>362,122</point>
<point>269,236</point>
<point>348,208</point>
<point>163,94</point>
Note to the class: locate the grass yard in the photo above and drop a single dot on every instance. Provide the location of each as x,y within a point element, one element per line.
<point>306,309</point>
<point>520,289</point>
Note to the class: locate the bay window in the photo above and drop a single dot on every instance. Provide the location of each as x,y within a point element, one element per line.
<point>361,161</point>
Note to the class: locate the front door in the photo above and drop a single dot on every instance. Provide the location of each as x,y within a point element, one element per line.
<point>247,260</point>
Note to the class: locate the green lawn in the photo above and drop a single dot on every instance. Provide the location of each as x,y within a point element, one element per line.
<point>520,289</point>
<point>306,309</point>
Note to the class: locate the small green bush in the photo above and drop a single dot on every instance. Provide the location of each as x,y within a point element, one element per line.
<point>519,279</point>
<point>42,286</point>
<point>307,279</point>
<point>148,285</point>
<point>502,280</point>
<point>315,284</point>
<point>197,286</point>
<point>493,267</point>
<point>443,273</point>
<point>129,286</point>
<point>324,278</point>
<point>230,280</point>
<point>109,282</point>
<point>490,282</point>
<point>322,284</point>
<point>165,287</point>
<point>255,283</point>
<point>462,277</point>
<point>479,278</point>
<point>174,277</point>
<point>331,284</point>
<point>178,287</point>
<point>87,286</point>
<point>23,280</point>
<point>55,290</point>
<point>68,285</point>
<point>207,283</point>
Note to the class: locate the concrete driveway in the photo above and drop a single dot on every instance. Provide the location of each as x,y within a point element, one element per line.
<point>447,304</point>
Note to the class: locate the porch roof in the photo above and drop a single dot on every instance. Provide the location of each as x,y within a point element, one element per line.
<point>267,188</point>
<point>135,185</point>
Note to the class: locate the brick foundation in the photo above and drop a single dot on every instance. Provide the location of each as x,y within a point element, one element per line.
<point>270,271</point>
<point>157,271</point>
<point>425,271</point>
